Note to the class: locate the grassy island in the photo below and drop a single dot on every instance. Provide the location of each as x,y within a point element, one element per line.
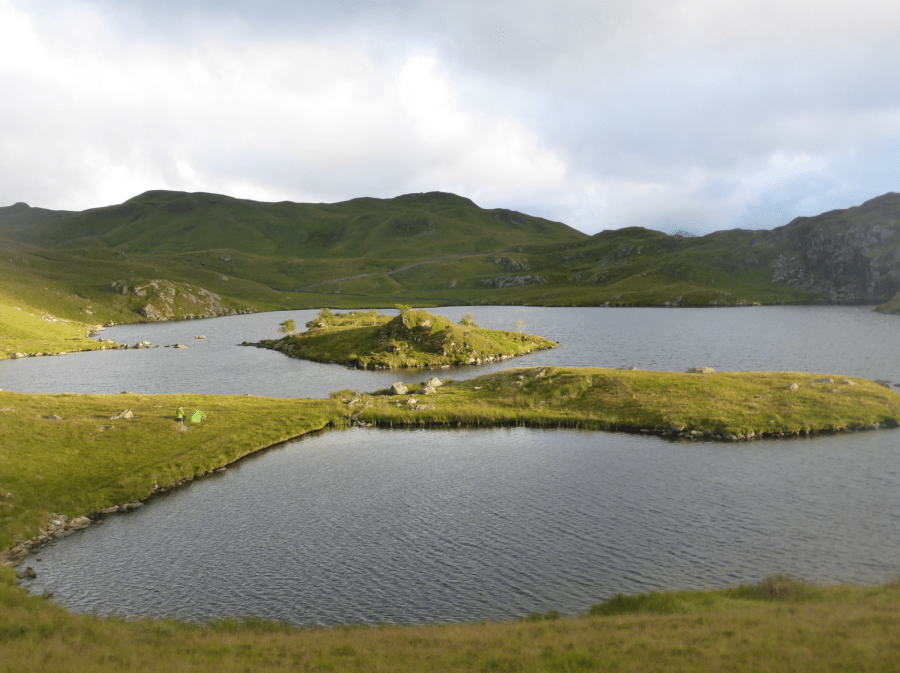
<point>414,338</point>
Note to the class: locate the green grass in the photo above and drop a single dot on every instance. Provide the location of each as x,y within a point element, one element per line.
<point>721,405</point>
<point>834,628</point>
<point>86,461</point>
<point>415,338</point>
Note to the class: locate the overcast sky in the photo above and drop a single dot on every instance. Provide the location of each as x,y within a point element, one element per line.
<point>683,114</point>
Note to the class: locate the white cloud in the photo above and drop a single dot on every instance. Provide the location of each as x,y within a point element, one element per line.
<point>596,114</point>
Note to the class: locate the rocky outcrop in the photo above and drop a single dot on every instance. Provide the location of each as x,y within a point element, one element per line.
<point>852,256</point>
<point>160,300</point>
<point>511,265</point>
<point>512,281</point>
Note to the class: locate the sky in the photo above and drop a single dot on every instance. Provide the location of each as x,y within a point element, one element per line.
<point>693,115</point>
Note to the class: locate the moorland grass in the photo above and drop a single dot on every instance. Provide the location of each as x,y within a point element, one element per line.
<point>86,461</point>
<point>722,405</point>
<point>813,629</point>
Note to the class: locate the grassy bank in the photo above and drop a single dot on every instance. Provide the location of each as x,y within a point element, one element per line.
<point>777,625</point>
<point>414,338</point>
<point>721,405</point>
<point>85,461</point>
<point>63,453</point>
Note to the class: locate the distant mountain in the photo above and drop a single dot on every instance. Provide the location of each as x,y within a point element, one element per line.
<point>408,226</point>
<point>427,250</point>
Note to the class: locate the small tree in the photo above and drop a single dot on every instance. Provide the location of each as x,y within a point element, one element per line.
<point>288,327</point>
<point>520,326</point>
<point>468,320</point>
<point>404,313</point>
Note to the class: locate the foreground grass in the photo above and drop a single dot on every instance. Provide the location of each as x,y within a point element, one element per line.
<point>778,625</point>
<point>86,461</point>
<point>724,405</point>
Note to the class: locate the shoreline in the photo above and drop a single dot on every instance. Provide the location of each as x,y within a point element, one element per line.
<point>14,556</point>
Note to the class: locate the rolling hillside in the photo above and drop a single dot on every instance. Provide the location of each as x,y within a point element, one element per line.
<point>108,264</point>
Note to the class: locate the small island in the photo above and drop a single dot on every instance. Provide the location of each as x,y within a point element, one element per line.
<point>414,338</point>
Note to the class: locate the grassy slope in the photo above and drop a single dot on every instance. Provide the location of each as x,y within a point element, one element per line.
<point>426,249</point>
<point>414,338</point>
<point>27,329</point>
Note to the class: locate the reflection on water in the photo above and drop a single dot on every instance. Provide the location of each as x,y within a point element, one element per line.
<point>429,526</point>
<point>852,341</point>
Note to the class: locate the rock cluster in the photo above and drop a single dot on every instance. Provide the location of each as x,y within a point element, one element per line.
<point>169,300</point>
<point>501,282</point>
<point>58,526</point>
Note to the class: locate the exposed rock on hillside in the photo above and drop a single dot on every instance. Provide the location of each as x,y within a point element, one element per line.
<point>512,281</point>
<point>853,255</point>
<point>159,300</point>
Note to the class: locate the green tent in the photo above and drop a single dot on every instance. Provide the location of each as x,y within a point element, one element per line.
<point>198,416</point>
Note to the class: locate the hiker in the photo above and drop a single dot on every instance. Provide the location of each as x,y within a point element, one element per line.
<point>180,415</point>
<point>198,416</point>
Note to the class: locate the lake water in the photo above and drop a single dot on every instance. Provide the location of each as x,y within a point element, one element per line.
<point>853,341</point>
<point>419,526</point>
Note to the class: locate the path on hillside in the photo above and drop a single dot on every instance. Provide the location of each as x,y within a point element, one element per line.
<point>393,271</point>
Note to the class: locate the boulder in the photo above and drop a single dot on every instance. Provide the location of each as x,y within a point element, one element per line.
<point>128,413</point>
<point>80,522</point>
<point>27,574</point>
<point>200,337</point>
<point>429,390</point>
<point>701,370</point>
<point>883,383</point>
<point>793,386</point>
<point>112,509</point>
<point>434,382</point>
<point>54,417</point>
<point>131,505</point>
<point>399,389</point>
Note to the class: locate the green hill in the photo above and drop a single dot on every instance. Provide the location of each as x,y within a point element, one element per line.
<point>427,249</point>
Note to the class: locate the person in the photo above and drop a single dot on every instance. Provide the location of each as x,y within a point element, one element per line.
<point>180,415</point>
<point>198,416</point>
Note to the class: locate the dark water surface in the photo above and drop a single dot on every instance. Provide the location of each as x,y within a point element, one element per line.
<point>429,526</point>
<point>853,341</point>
